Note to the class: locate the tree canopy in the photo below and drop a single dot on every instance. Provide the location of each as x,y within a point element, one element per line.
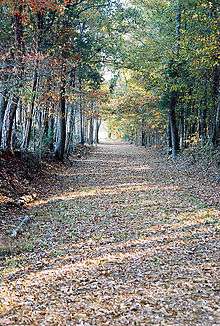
<point>162,57</point>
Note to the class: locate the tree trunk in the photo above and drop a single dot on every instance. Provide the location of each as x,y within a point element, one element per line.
<point>3,106</point>
<point>216,93</point>
<point>173,124</point>
<point>7,127</point>
<point>85,127</point>
<point>98,124</point>
<point>82,135</point>
<point>28,124</point>
<point>182,128</point>
<point>173,94</point>
<point>50,135</point>
<point>10,111</point>
<point>216,136</point>
<point>91,131</point>
<point>169,139</point>
<point>71,132</point>
<point>203,126</point>
<point>60,146</point>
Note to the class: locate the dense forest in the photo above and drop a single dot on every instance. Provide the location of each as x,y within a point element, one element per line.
<point>149,68</point>
<point>172,86</point>
<point>109,162</point>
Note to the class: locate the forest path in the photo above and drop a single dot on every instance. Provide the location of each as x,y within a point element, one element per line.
<point>129,245</point>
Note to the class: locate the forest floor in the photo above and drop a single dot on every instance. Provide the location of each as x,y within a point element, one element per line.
<point>122,236</point>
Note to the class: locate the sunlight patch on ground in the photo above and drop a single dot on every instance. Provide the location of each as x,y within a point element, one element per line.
<point>102,253</point>
<point>115,189</point>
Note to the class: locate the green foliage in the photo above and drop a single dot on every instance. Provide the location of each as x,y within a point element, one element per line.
<point>161,62</point>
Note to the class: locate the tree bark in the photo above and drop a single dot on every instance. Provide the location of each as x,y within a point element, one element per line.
<point>60,146</point>
<point>216,93</point>
<point>173,124</point>
<point>91,130</point>
<point>50,135</point>
<point>3,106</point>
<point>7,127</point>
<point>82,134</point>
<point>174,94</point>
<point>98,124</point>
<point>203,126</point>
<point>10,112</point>
<point>216,136</point>
<point>29,118</point>
<point>71,132</point>
<point>182,128</point>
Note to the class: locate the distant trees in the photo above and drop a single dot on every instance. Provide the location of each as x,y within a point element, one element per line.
<point>171,53</point>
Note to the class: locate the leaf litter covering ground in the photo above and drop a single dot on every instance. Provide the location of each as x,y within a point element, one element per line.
<point>131,244</point>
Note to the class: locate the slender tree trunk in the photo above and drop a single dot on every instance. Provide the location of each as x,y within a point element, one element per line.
<point>28,124</point>
<point>217,125</point>
<point>182,128</point>
<point>216,136</point>
<point>216,96</point>
<point>50,135</point>
<point>142,131</point>
<point>169,139</point>
<point>7,127</point>
<point>203,125</point>
<point>91,131</point>
<point>174,95</point>
<point>82,134</point>
<point>10,112</point>
<point>98,124</point>
<point>173,124</point>
<point>72,140</point>
<point>60,146</point>
<point>46,122</point>
<point>3,106</point>
<point>203,115</point>
<point>85,127</point>
<point>69,147</point>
